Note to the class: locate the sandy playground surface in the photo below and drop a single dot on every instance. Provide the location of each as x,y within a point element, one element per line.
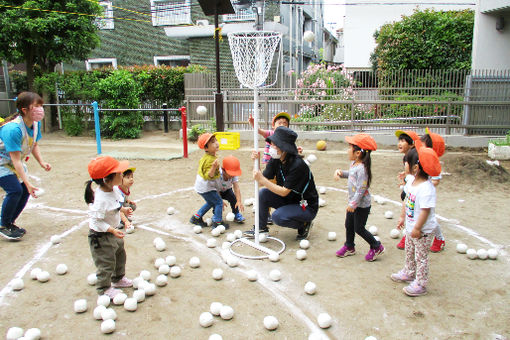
<point>468,299</point>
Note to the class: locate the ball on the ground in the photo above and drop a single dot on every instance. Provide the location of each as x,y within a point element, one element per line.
<point>322,190</point>
<point>34,272</point>
<point>379,199</point>
<point>201,110</point>
<point>108,326</point>
<point>150,289</point>
<point>161,280</point>
<point>175,271</point>
<point>252,275</point>
<point>373,230</point>
<point>160,245</point>
<point>194,262</point>
<point>370,338</point>
<point>97,312</point>
<point>215,337</point>
<point>274,257</point>
<point>17,284</point>
<point>61,269</point>
<point>32,334</point>
<point>215,308</point>
<point>331,236</point>
<point>43,276</point>
<point>103,300</point>
<point>14,333</point>
<point>145,274</point>
<point>301,254</point>
<point>324,320</point>
<point>92,279</point>
<point>304,244</point>
<point>311,158</point>
<point>164,269</point>
<point>249,201</point>
<point>238,233</point>
<point>216,231</point>
<point>206,319</point>
<point>232,261</point>
<point>119,299</point>
<point>217,274</point>
<point>55,239</point>
<point>131,304</point>
<point>225,245</point>
<point>39,192</point>
<point>492,253</point>
<point>109,314</point>
<point>226,312</point>
<point>263,237</point>
<point>322,202</point>
<point>231,237</point>
<point>271,323</point>
<point>310,288</point>
<point>159,262</point>
<point>156,240</point>
<point>137,281</point>
<point>197,229</point>
<point>462,248</point>
<point>321,145</point>
<point>388,214</point>
<point>211,243</point>
<point>80,306</point>
<point>471,254</point>
<point>275,275</point>
<point>394,233</point>
<point>230,217</point>
<point>170,210</point>
<point>221,228</point>
<point>308,36</point>
<point>139,295</point>
<point>482,254</point>
<point>170,260</point>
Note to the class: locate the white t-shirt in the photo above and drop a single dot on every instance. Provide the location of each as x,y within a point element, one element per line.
<point>105,211</point>
<point>420,197</point>
<point>224,185</point>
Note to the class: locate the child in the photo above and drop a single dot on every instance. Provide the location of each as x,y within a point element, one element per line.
<point>124,191</point>
<point>229,173</point>
<point>281,119</point>
<point>418,213</point>
<point>105,240</point>
<point>206,182</point>
<point>360,176</point>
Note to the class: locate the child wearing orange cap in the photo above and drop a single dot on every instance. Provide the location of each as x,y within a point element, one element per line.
<point>105,240</point>
<point>418,217</point>
<point>359,178</point>
<point>229,186</point>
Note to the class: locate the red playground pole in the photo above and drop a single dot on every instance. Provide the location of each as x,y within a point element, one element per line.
<point>184,131</point>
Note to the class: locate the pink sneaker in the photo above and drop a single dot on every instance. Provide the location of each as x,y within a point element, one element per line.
<point>111,292</point>
<point>345,251</point>
<point>123,283</point>
<point>415,289</point>
<point>401,277</point>
<point>373,253</point>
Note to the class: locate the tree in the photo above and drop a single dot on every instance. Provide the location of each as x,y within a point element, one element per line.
<point>46,32</point>
<point>425,40</point>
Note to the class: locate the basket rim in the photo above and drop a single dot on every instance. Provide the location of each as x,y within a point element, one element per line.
<point>254,34</point>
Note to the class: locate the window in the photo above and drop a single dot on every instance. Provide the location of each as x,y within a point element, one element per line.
<point>174,12</point>
<point>172,60</point>
<point>94,64</point>
<point>106,23</point>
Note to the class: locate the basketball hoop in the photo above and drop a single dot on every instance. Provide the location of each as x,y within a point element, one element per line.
<point>252,56</point>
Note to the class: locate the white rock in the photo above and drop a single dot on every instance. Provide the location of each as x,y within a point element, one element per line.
<point>194,262</point>
<point>145,274</point>
<point>394,233</point>
<point>108,326</point>
<point>271,323</point>
<point>103,300</point>
<point>275,275</point>
<point>216,231</point>
<point>232,261</point>
<point>175,271</point>
<point>462,248</point>
<point>206,319</point>
<point>304,244</point>
<point>217,274</point>
<point>322,202</point>
<point>55,239</point>
<point>119,299</point>
<point>17,284</point>
<point>92,279</point>
<point>139,295</point>
<point>14,333</point>
<point>226,312</point>
<point>211,243</point>
<point>164,269</point>
<point>388,214</point>
<point>238,233</point>
<point>109,314</point>
<point>97,312</point>
<point>171,260</point>
<point>249,201</point>
<point>43,276</point>
<point>252,275</point>
<point>322,190</point>
<point>492,253</point>
<point>231,237</point>
<point>215,337</point>
<point>274,257</point>
<point>331,236</point>
<point>301,254</point>
<point>159,262</point>
<point>197,229</point>
<point>170,210</point>
<point>80,306</point>
<point>324,320</point>
<point>215,308</point>
<point>150,289</point>
<point>471,254</point>
<point>310,288</point>
<point>61,269</point>
<point>482,254</point>
<point>131,304</point>
<point>208,221</point>
<point>230,217</point>
<point>160,246</point>
<point>373,230</point>
<point>33,334</point>
<point>34,272</point>
<point>156,240</point>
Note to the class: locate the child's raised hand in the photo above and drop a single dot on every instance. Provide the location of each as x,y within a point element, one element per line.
<point>255,155</point>
<point>337,175</point>
<point>250,120</point>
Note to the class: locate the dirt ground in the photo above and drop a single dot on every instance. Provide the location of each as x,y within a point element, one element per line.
<point>468,299</point>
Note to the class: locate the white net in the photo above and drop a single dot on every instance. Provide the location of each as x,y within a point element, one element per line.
<point>252,55</point>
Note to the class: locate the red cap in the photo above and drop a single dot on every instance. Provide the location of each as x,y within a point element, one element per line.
<point>429,161</point>
<point>438,143</point>
<point>232,166</point>
<point>203,139</point>
<point>362,140</point>
<point>101,167</point>
<point>414,136</point>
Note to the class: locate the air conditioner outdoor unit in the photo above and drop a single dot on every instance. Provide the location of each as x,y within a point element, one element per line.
<point>202,22</point>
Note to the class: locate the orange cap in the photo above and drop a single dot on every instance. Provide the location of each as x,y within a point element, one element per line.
<point>438,143</point>
<point>362,140</point>
<point>281,114</point>
<point>429,161</point>
<point>232,166</point>
<point>414,136</point>
<point>101,167</point>
<point>203,139</point>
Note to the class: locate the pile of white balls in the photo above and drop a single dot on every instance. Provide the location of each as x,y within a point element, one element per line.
<point>481,254</point>
<point>206,319</point>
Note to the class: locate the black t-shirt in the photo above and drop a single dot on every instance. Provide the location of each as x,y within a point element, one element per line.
<point>294,175</point>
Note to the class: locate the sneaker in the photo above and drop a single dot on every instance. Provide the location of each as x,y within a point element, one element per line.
<point>401,277</point>
<point>437,245</point>
<point>123,283</point>
<point>302,233</point>
<point>373,253</point>
<point>22,231</point>
<point>111,292</point>
<point>415,289</point>
<point>197,221</point>
<point>10,234</point>
<point>251,232</point>
<point>269,219</point>
<point>345,251</point>
<point>239,218</point>
<point>402,243</point>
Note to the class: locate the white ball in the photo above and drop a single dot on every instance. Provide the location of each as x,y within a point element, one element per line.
<point>231,237</point>
<point>175,271</point>
<point>92,279</point>
<point>238,233</point>
<point>248,201</point>
<point>211,243</point>
<point>322,190</point>
<point>131,304</point>
<point>208,221</point>
<point>388,214</point>
<point>232,261</point>
<point>222,228</point>
<point>482,254</point>
<point>274,257</point>
<point>197,229</point>
<point>17,284</point>
<point>61,269</point>
<point>311,158</point>
<point>324,320</point>
<point>275,275</point>
<point>97,312</point>
<point>159,262</point>
<point>461,248</point>
<point>160,246</point>
<point>270,322</point>
<point>109,314</point>
<point>225,245</point>
<point>103,300</point>
<point>379,199</point>
<point>164,269</point>
<point>170,260</point>
<point>136,281</point>
<point>119,299</point>
<point>226,312</point>
<point>139,295</point>
<point>145,274</point>
<point>206,319</point>
<point>80,306</point>
<point>108,326</point>
<point>331,236</point>
<point>34,272</point>
<point>215,308</point>
<point>194,262</point>
<point>215,337</point>
<point>217,274</point>
<point>170,210</point>
<point>156,240</point>
<point>216,231</point>
<point>230,217</point>
<point>301,254</point>
<point>370,338</point>
<point>43,276</point>
<point>263,237</point>
<point>310,288</point>
<point>304,244</point>
<point>373,230</point>
<point>14,333</point>
<point>150,289</point>
<point>308,36</point>
<point>201,110</point>
<point>252,275</point>
<point>322,202</point>
<point>394,233</point>
<point>55,239</point>
<point>492,253</point>
<point>471,253</point>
